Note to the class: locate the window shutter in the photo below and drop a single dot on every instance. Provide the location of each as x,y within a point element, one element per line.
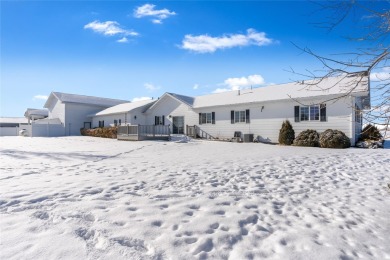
<point>213,118</point>
<point>247,116</point>
<point>163,120</point>
<point>232,117</point>
<point>155,120</point>
<point>200,118</point>
<point>296,113</point>
<point>323,112</point>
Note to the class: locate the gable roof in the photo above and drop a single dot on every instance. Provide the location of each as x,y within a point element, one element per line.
<point>82,99</point>
<point>184,99</point>
<point>36,112</point>
<point>187,100</point>
<point>328,86</point>
<point>126,107</point>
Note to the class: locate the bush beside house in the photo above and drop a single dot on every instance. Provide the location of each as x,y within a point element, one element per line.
<point>105,132</point>
<point>286,134</point>
<point>334,139</point>
<point>370,138</point>
<point>308,138</point>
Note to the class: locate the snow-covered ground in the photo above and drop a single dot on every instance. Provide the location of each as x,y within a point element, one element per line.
<point>92,198</point>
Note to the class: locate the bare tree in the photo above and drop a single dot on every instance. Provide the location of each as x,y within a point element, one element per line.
<point>372,60</point>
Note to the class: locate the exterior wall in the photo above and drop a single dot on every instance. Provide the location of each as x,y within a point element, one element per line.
<point>76,115</point>
<point>171,107</point>
<point>109,119</point>
<point>9,131</point>
<point>126,118</point>
<point>267,122</point>
<point>57,110</point>
<point>44,130</point>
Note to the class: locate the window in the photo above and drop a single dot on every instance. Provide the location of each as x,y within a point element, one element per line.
<point>115,122</point>
<point>358,115</point>
<point>311,113</point>
<point>207,118</point>
<point>101,123</point>
<point>304,113</point>
<point>314,113</point>
<point>120,121</point>
<point>240,116</point>
<point>159,120</point>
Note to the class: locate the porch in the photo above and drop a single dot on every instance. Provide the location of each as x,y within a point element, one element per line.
<point>143,132</point>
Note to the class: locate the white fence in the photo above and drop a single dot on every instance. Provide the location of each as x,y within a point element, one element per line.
<point>9,131</point>
<point>45,130</point>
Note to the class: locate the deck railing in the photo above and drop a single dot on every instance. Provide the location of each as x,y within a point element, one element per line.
<point>143,132</point>
<point>196,132</point>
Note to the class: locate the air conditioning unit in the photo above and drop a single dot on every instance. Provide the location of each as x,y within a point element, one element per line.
<point>248,138</point>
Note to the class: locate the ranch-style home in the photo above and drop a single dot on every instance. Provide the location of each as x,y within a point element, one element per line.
<point>334,103</point>
<point>261,111</point>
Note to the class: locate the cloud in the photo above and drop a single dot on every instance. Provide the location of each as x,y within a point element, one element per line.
<point>123,40</point>
<point>149,10</point>
<point>109,28</point>
<point>241,83</point>
<point>383,75</point>
<point>140,99</point>
<point>150,87</point>
<point>196,86</point>
<point>209,44</point>
<point>41,97</point>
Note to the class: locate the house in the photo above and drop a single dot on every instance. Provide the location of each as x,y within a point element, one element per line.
<point>130,113</point>
<point>10,126</point>
<point>67,113</point>
<point>331,103</point>
<point>334,103</point>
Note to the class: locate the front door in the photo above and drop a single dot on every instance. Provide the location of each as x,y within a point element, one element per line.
<point>178,124</point>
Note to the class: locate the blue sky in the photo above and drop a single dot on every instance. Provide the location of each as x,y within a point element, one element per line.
<point>130,50</point>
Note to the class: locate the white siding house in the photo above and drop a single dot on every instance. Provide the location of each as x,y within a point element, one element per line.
<point>330,104</point>
<point>122,114</point>
<point>174,110</point>
<point>68,113</point>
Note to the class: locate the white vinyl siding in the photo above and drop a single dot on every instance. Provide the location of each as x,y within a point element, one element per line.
<point>266,122</point>
<point>170,107</point>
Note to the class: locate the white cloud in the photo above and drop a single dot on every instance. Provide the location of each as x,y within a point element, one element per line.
<point>41,97</point>
<point>241,83</point>
<point>109,28</point>
<point>209,44</point>
<point>156,21</point>
<point>149,10</point>
<point>150,87</point>
<point>123,40</point>
<point>196,86</point>
<point>383,75</point>
<point>140,99</point>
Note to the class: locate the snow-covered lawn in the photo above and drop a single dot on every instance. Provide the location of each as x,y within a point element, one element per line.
<point>92,198</point>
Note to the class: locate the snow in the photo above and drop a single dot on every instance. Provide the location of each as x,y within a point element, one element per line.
<point>82,99</point>
<point>125,107</point>
<point>92,198</point>
<point>326,87</point>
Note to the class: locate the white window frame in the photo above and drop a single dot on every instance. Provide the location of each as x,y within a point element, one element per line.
<point>239,116</point>
<point>206,118</point>
<point>309,110</point>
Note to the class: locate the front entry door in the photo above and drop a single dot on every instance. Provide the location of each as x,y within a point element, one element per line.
<point>178,124</point>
